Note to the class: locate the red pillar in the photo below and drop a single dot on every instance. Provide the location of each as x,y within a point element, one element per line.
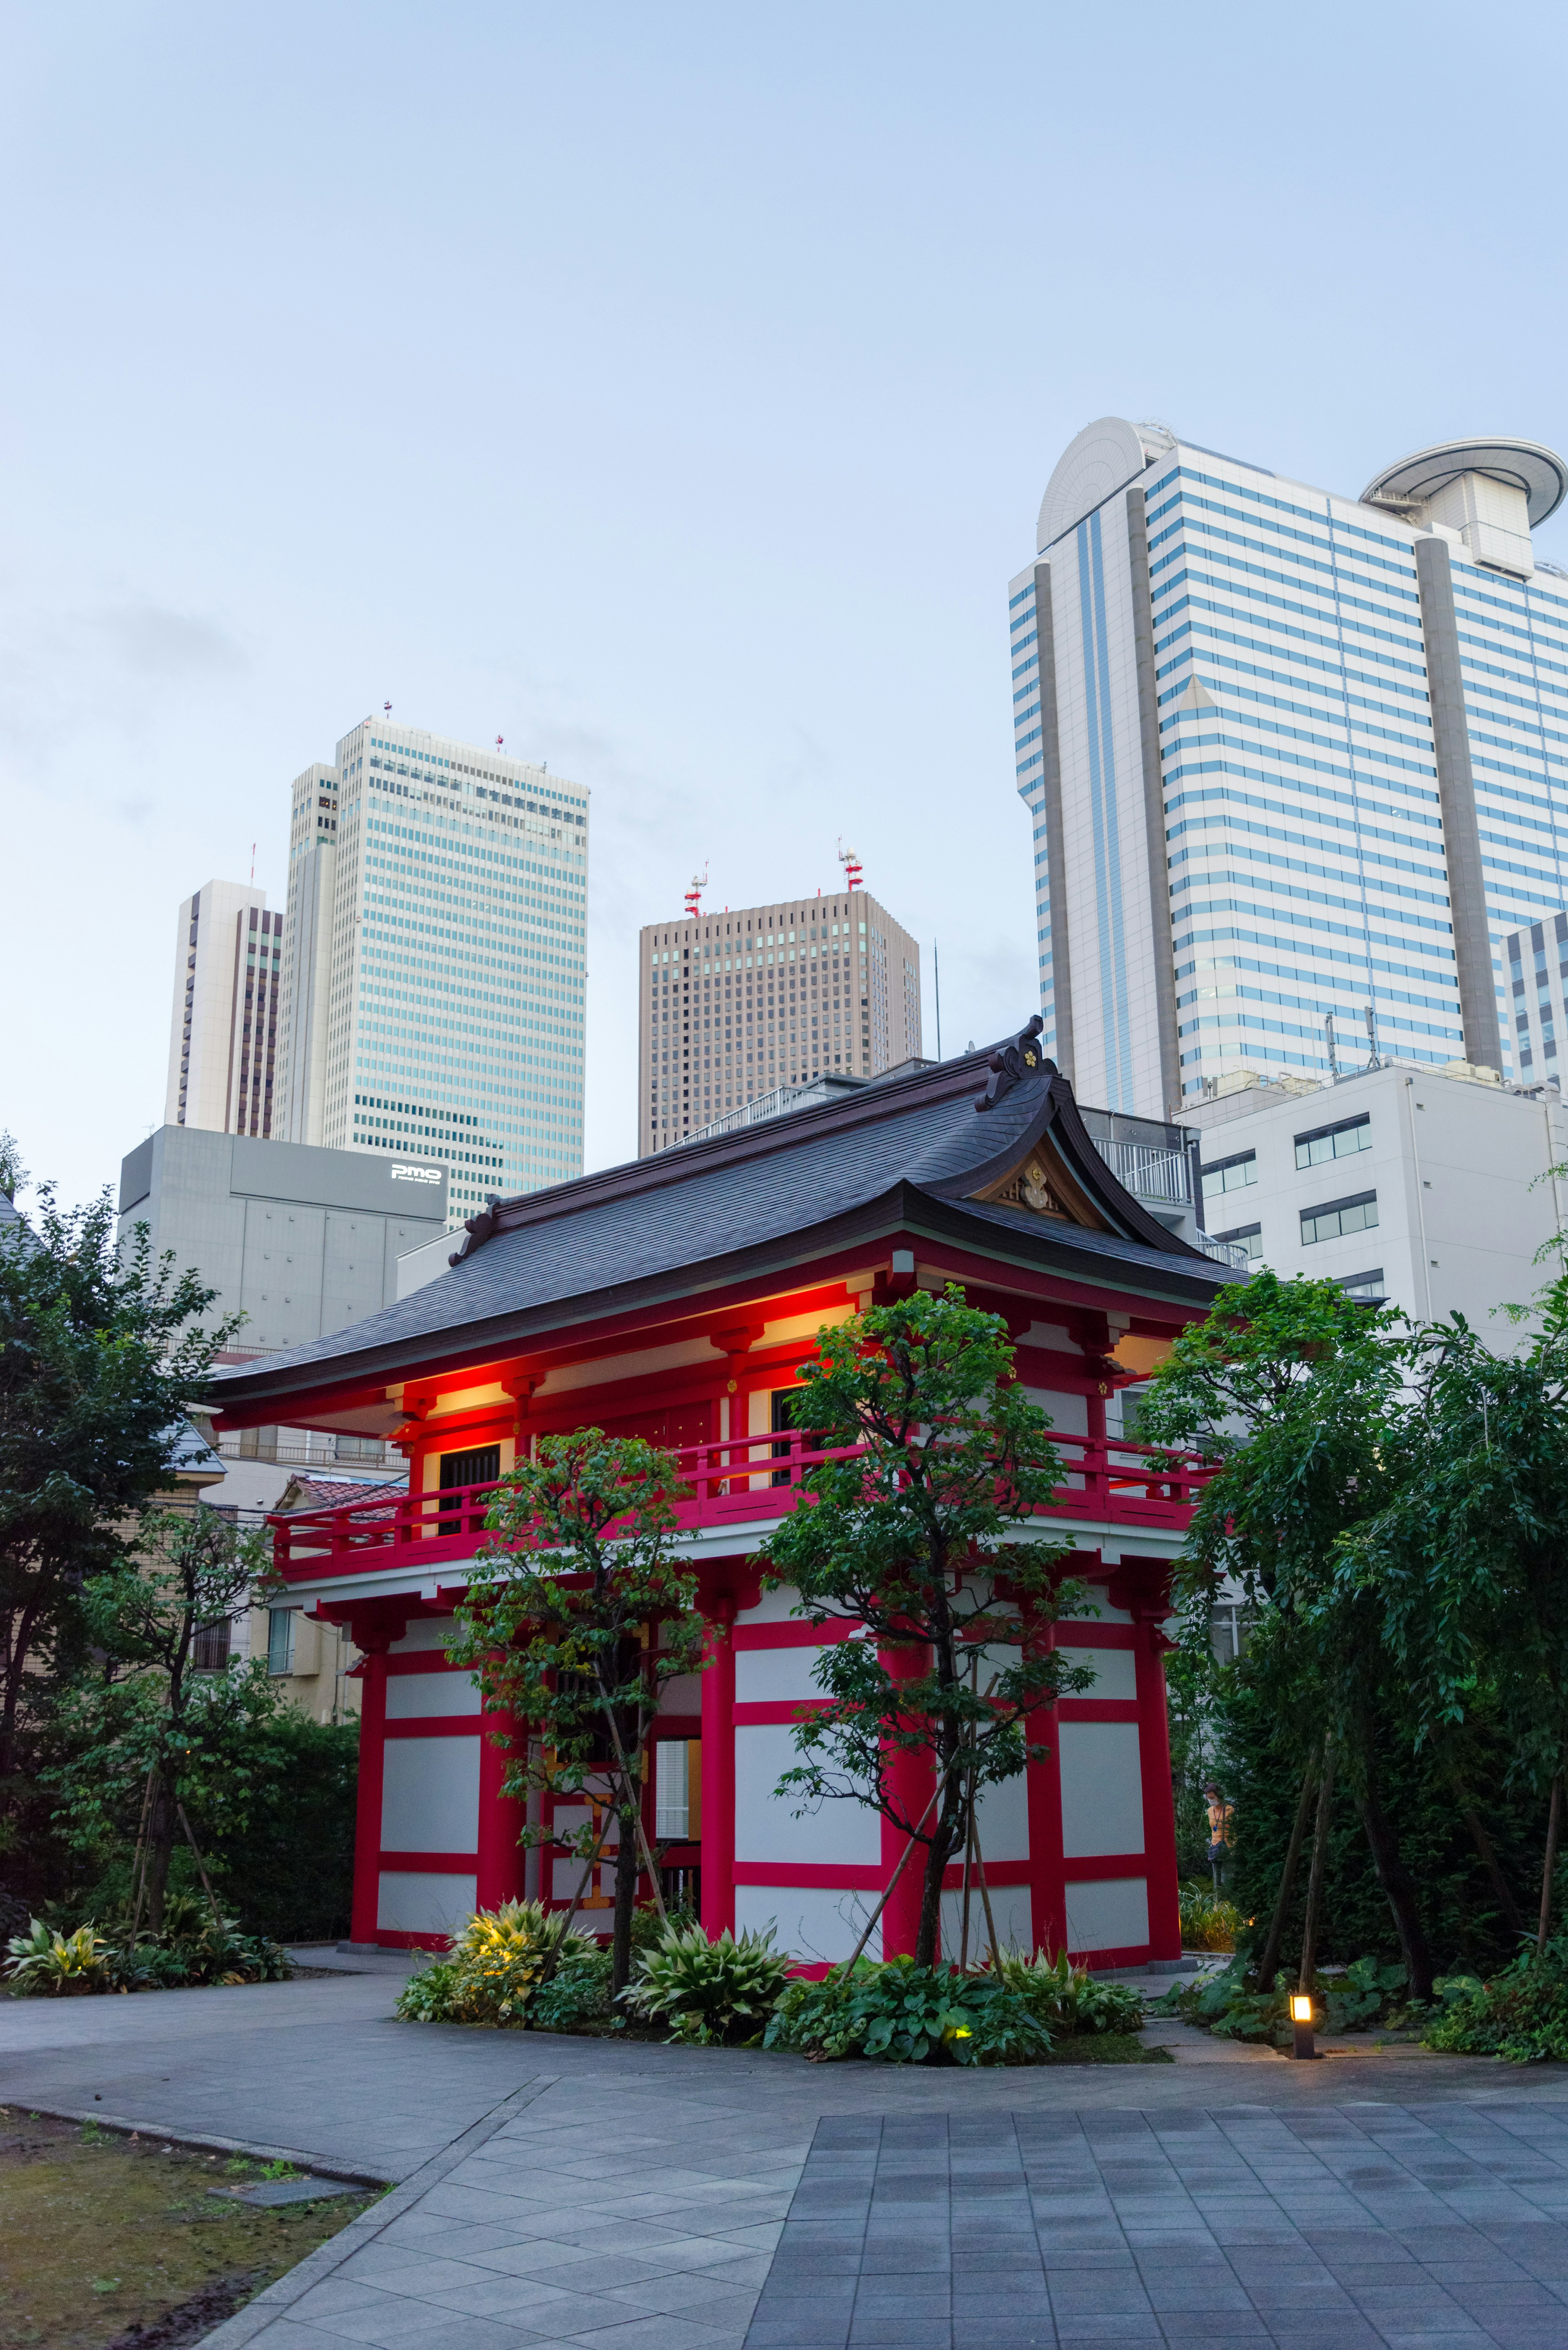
<point>1158,1804</point>
<point>1042,1789</point>
<point>501,1817</point>
<point>911,1778</point>
<point>368,1807</point>
<point>719,1771</point>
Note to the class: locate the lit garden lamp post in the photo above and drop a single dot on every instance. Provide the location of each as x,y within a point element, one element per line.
<point>1301,2024</point>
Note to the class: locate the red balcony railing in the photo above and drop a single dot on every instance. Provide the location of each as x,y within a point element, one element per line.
<point>735,1482</point>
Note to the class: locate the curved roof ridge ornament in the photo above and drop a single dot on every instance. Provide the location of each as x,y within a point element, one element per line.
<point>1023,1058</point>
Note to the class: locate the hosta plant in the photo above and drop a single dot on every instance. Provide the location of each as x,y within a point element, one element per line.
<point>709,1992</point>
<point>50,1965</point>
<point>495,1964</point>
<point>1065,1998</point>
<point>906,2014</point>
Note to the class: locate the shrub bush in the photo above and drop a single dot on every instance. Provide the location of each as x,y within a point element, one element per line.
<point>493,1974</point>
<point>1065,1998</point>
<point>711,1993</point>
<point>1521,2014</point>
<point>906,2014</point>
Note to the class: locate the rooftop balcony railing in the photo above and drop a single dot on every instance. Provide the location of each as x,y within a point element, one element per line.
<point>734,1483</point>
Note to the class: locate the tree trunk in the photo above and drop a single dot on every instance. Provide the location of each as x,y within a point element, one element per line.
<point>160,1851</point>
<point>1268,1964</point>
<point>945,1841</point>
<point>1549,1870</point>
<point>1489,1859</point>
<point>627,1866</point>
<point>1314,1881</point>
<point>1398,1885</point>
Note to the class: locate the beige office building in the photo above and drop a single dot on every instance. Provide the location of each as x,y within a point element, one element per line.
<point>224,1020</point>
<point>735,1005</point>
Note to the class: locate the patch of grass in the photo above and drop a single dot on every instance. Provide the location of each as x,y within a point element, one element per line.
<point>1105,2048</point>
<point>138,2226</point>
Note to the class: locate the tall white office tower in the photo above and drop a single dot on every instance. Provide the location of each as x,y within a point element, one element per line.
<point>223,1016</point>
<point>1292,759</point>
<point>434,960</point>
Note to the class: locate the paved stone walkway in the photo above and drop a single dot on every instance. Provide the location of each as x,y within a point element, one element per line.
<point>1368,2226</point>
<point>551,2191</point>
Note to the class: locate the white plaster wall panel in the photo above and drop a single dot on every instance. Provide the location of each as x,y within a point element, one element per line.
<point>426,1632</point>
<point>411,1696</point>
<point>1115,1676</point>
<point>773,1607</point>
<point>1009,1906</point>
<point>1002,1817</point>
<point>773,1675</point>
<point>1104,1614</point>
<point>1069,1413</point>
<point>1112,1915</point>
<point>1102,1788</point>
<point>841,1833</point>
<point>429,1795</point>
<point>415,1903</point>
<point>812,1922</point>
<point>682,1693</point>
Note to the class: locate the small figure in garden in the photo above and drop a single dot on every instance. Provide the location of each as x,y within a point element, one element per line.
<point>1221,1819</point>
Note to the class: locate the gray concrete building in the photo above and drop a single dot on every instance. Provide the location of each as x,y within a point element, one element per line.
<point>298,1238</point>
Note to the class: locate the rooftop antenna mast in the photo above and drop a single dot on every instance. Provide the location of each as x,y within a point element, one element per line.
<point>1371,1017</point>
<point>694,895</point>
<point>388,708</point>
<point>854,875</point>
<point>1333,1055</point>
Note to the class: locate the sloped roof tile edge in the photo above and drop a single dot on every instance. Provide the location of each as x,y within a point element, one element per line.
<point>877,1100</point>
<point>1189,1279</point>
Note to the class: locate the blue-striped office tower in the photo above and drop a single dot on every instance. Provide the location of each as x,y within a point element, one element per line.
<point>1290,758</point>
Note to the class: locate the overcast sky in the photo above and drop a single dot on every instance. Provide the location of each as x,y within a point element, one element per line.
<point>671,389</point>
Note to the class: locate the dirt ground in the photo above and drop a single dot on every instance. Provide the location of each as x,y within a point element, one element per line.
<point>116,2244</point>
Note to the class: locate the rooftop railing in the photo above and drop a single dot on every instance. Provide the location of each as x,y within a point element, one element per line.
<point>737,1482</point>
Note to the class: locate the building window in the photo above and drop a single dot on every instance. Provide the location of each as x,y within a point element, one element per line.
<point>281,1627</point>
<point>1231,1174</point>
<point>1337,1217</point>
<point>1245,1236</point>
<point>671,1791</point>
<point>1368,1285</point>
<point>210,1650</point>
<point>1340,1142</point>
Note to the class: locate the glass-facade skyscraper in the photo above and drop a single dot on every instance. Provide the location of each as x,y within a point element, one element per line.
<point>1297,764</point>
<point>434,961</point>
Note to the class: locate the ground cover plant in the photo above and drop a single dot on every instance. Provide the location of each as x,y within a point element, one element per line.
<point>906,2014</point>
<point>711,1994</point>
<point>518,1965</point>
<point>196,1946</point>
<point>1369,1994</point>
<point>1521,2014</point>
<point>1209,1920</point>
<point>103,2234</point>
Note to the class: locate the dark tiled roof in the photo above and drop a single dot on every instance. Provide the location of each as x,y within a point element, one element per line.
<point>912,1150</point>
<point>338,1493</point>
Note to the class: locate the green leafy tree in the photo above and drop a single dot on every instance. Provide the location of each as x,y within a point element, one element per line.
<point>1296,1392</point>
<point>1467,1562</point>
<point>573,1618</point>
<point>100,1352</point>
<point>916,1539</point>
<point>147,1740</point>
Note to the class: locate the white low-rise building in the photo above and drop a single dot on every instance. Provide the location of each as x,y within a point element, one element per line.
<point>1436,1191</point>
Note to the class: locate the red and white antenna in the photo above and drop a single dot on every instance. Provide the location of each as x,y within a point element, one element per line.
<point>694,895</point>
<point>388,708</point>
<point>853,877</point>
<point>499,740</point>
